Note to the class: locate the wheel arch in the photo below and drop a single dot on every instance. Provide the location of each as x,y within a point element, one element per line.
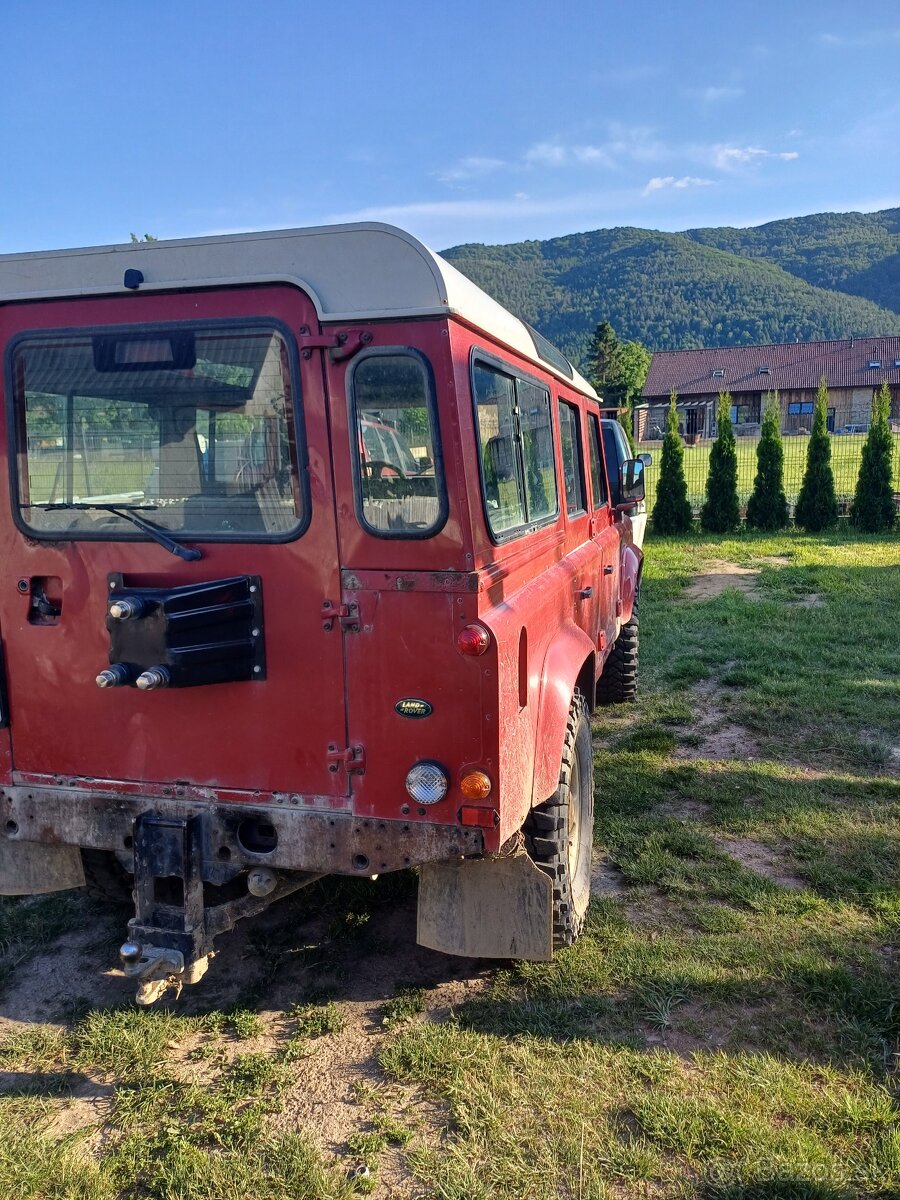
<point>632,565</point>
<point>570,663</point>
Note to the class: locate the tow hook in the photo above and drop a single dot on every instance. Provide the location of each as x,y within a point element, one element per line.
<point>157,968</point>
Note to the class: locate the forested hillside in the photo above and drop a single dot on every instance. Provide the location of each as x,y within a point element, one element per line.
<point>850,252</point>
<point>700,288</point>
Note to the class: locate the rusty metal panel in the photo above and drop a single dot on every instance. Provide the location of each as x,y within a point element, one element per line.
<point>316,841</point>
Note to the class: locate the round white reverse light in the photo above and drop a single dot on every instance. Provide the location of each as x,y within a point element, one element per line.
<point>427,783</point>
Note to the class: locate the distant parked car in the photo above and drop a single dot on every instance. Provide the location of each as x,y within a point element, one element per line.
<point>856,428</point>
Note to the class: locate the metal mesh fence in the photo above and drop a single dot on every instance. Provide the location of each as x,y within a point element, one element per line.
<point>846,454</point>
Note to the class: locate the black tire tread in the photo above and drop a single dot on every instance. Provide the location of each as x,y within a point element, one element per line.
<point>545,835</point>
<point>618,681</point>
<point>105,877</point>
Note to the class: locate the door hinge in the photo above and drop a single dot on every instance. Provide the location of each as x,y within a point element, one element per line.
<point>347,614</point>
<point>619,607</point>
<point>339,345</point>
<point>352,759</point>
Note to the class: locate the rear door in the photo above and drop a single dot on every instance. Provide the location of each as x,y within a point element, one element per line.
<point>197,411</point>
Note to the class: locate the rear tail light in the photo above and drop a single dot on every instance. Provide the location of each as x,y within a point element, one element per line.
<point>427,783</point>
<point>483,818</point>
<point>473,640</point>
<point>475,785</point>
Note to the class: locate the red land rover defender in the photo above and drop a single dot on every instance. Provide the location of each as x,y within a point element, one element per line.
<point>312,563</point>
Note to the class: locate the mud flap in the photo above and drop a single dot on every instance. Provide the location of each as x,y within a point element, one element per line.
<point>486,908</point>
<point>31,868</point>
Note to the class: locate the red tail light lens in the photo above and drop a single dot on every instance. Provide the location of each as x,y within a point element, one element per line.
<point>483,818</point>
<point>474,640</point>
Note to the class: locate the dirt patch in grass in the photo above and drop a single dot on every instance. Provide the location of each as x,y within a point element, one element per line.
<point>810,600</point>
<point>713,735</point>
<point>760,859</point>
<point>717,576</point>
<point>606,878</point>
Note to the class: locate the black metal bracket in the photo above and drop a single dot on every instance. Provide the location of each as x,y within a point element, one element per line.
<point>197,634</point>
<point>168,884</point>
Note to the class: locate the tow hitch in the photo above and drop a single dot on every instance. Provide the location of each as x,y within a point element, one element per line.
<point>170,937</point>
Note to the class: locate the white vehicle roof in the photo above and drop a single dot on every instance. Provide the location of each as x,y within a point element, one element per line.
<point>352,272</point>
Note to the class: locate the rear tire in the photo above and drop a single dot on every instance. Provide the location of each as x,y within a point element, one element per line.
<point>618,682</point>
<point>105,877</point>
<point>559,834</point>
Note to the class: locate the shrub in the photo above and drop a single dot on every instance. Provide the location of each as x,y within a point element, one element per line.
<point>721,513</point>
<point>672,511</point>
<point>767,507</point>
<point>817,504</point>
<point>873,505</point>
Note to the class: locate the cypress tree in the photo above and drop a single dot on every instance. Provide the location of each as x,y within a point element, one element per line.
<point>817,504</point>
<point>672,511</point>
<point>767,507</point>
<point>721,513</point>
<point>873,505</point>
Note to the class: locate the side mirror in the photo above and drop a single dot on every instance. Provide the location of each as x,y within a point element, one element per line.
<point>632,484</point>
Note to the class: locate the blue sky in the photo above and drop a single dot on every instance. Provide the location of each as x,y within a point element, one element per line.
<point>485,122</point>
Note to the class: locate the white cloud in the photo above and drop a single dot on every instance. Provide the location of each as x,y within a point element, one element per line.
<point>712,95</point>
<point>625,142</point>
<point>470,167</point>
<point>669,181</point>
<point>857,41</point>
<point>727,157</point>
<point>547,154</point>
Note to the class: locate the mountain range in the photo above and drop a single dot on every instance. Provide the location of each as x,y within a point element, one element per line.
<point>829,275</point>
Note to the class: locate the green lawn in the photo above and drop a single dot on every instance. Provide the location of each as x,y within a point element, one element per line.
<point>726,1029</point>
<point>846,452</point>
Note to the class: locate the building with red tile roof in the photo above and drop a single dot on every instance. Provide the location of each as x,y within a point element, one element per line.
<point>854,369</point>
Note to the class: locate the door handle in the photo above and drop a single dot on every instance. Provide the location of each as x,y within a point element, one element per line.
<point>586,593</point>
<point>608,570</point>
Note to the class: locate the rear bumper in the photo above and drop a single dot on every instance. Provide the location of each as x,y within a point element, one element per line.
<point>322,842</point>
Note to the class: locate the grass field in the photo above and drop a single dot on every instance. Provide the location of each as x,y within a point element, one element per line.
<point>846,453</point>
<point>727,1028</point>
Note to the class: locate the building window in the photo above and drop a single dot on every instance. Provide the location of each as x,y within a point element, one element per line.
<point>796,407</point>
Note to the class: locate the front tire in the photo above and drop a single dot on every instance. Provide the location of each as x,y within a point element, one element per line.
<point>618,682</point>
<point>559,834</point>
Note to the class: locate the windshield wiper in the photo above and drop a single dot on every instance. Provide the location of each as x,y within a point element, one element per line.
<point>128,513</point>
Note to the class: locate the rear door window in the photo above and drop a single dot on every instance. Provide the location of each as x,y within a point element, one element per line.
<point>515,439</point>
<point>396,447</point>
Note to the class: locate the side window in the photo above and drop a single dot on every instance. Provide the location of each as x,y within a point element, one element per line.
<point>515,440</point>
<point>572,456</point>
<point>537,449</point>
<point>400,484</point>
<point>599,494</point>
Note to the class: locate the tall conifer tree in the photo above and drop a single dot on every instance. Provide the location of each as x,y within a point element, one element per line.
<point>672,510</point>
<point>721,513</point>
<point>817,504</point>
<point>873,505</point>
<point>767,507</point>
